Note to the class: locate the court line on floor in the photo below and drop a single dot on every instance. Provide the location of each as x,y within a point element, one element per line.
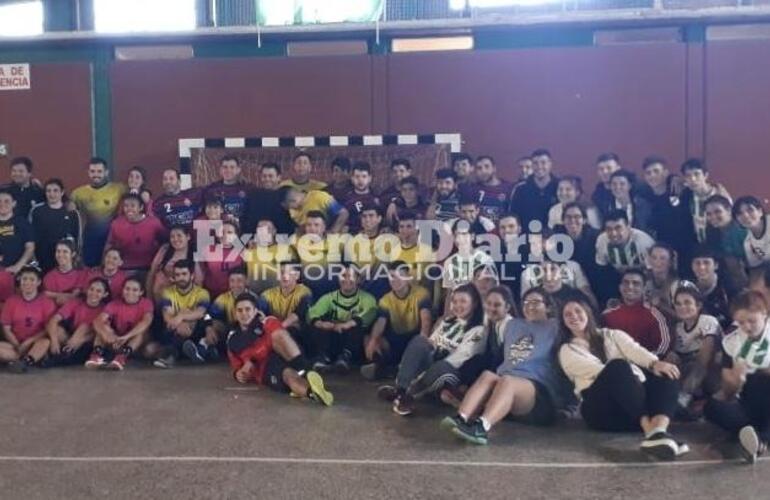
<point>365,462</point>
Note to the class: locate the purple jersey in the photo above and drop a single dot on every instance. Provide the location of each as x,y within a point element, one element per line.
<point>355,203</point>
<point>233,196</point>
<point>178,209</point>
<point>493,200</point>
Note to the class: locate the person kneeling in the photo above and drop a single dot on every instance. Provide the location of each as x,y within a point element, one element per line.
<point>261,351</point>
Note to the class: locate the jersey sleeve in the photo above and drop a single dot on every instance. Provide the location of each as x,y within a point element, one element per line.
<point>303,306</point>
<point>26,233</point>
<point>147,306</point>
<point>424,300</point>
<point>369,310</point>
<point>217,310</point>
<point>165,298</point>
<point>67,311</point>
<point>272,324</point>
<point>320,309</point>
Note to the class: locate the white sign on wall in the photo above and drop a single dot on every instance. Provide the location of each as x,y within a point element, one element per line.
<point>14,77</point>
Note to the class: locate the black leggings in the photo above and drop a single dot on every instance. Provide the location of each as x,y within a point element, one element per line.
<point>752,408</point>
<point>617,400</point>
<point>332,344</point>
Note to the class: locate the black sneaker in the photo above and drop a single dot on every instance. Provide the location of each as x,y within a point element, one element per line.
<point>322,365</point>
<point>20,366</point>
<point>473,432</point>
<point>387,393</point>
<point>403,405</point>
<point>211,354</point>
<point>342,365</point>
<point>661,446</point>
<point>190,349</point>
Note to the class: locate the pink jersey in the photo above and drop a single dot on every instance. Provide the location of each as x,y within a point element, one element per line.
<point>116,281</point>
<point>26,318</point>
<point>78,313</point>
<point>216,272</point>
<point>123,317</point>
<point>59,282</point>
<point>137,241</point>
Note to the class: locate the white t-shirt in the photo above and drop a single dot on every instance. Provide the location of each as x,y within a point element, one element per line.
<point>758,249</point>
<point>755,353</point>
<point>690,341</point>
<point>622,257</point>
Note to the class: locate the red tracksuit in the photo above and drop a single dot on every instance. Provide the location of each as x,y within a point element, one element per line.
<point>254,344</point>
<point>643,323</point>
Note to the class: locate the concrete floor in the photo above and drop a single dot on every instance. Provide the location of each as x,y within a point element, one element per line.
<point>192,433</point>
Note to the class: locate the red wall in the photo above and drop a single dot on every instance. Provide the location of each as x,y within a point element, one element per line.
<point>672,99</point>
<point>51,122</point>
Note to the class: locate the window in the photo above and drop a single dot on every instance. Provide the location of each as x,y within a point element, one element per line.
<point>281,12</point>
<point>21,19</point>
<point>460,4</point>
<point>121,16</point>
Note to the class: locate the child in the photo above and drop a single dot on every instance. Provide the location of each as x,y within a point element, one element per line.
<point>23,318</point>
<point>341,319</point>
<point>262,352</point>
<point>526,384</point>
<point>696,338</point>
<point>122,327</point>
<point>183,306</point>
<point>70,330</point>
<point>742,407</point>
<point>64,282</point>
<point>622,385</point>
<point>433,363</point>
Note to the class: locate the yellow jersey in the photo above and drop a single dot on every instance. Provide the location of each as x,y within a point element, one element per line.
<point>403,314</point>
<point>98,205</point>
<point>263,264</point>
<point>311,185</point>
<point>178,301</point>
<point>280,305</point>
<point>315,201</point>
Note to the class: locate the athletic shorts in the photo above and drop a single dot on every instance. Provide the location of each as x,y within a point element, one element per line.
<point>273,377</point>
<point>544,411</point>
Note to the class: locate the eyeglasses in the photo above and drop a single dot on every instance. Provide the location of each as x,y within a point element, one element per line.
<point>533,302</point>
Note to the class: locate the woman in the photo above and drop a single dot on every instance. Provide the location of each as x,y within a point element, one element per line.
<point>434,363</point>
<point>64,282</point>
<point>584,237</point>
<point>161,272</point>
<point>725,237</point>
<point>570,190</point>
<point>623,386</point>
<point>525,386</point>
<point>23,319</point>
<point>624,198</point>
<point>53,221</point>
<point>137,184</point>
<point>110,271</point>
<point>137,235</point>
<point>750,214</point>
<point>663,279</point>
<point>121,328</point>
<point>216,267</point>
<point>70,330</point>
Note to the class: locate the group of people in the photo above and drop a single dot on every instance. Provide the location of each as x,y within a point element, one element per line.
<point>643,303</point>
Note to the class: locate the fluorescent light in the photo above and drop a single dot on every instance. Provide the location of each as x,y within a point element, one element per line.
<point>21,19</point>
<point>120,16</point>
<point>460,4</point>
<point>432,44</point>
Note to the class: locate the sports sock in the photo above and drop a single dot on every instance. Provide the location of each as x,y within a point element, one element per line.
<point>655,430</point>
<point>485,424</point>
<point>463,417</point>
<point>126,350</point>
<point>299,364</point>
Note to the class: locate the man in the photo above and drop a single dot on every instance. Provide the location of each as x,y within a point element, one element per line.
<point>98,203</point>
<point>620,246</point>
<point>697,190</point>
<point>264,203</point>
<point>232,189</point>
<point>462,165</point>
<point>341,319</point>
<point>26,193</point>
<point>492,192</point>
<point>264,255</point>
<point>533,199</point>
<point>361,249</point>
<point>184,306</point>
<point>220,316</point>
<point>177,207</point>
<point>315,253</point>
<point>359,196</point>
<point>514,254</point>
<point>662,190</point>
<point>443,206</point>
<point>405,311</point>
<point>469,211</point>
<point>17,244</point>
<point>643,322</point>
<point>415,254</point>
<point>300,203</point>
<point>341,184</point>
<point>289,302</point>
<point>400,169</point>
<point>606,165</point>
<point>301,170</point>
